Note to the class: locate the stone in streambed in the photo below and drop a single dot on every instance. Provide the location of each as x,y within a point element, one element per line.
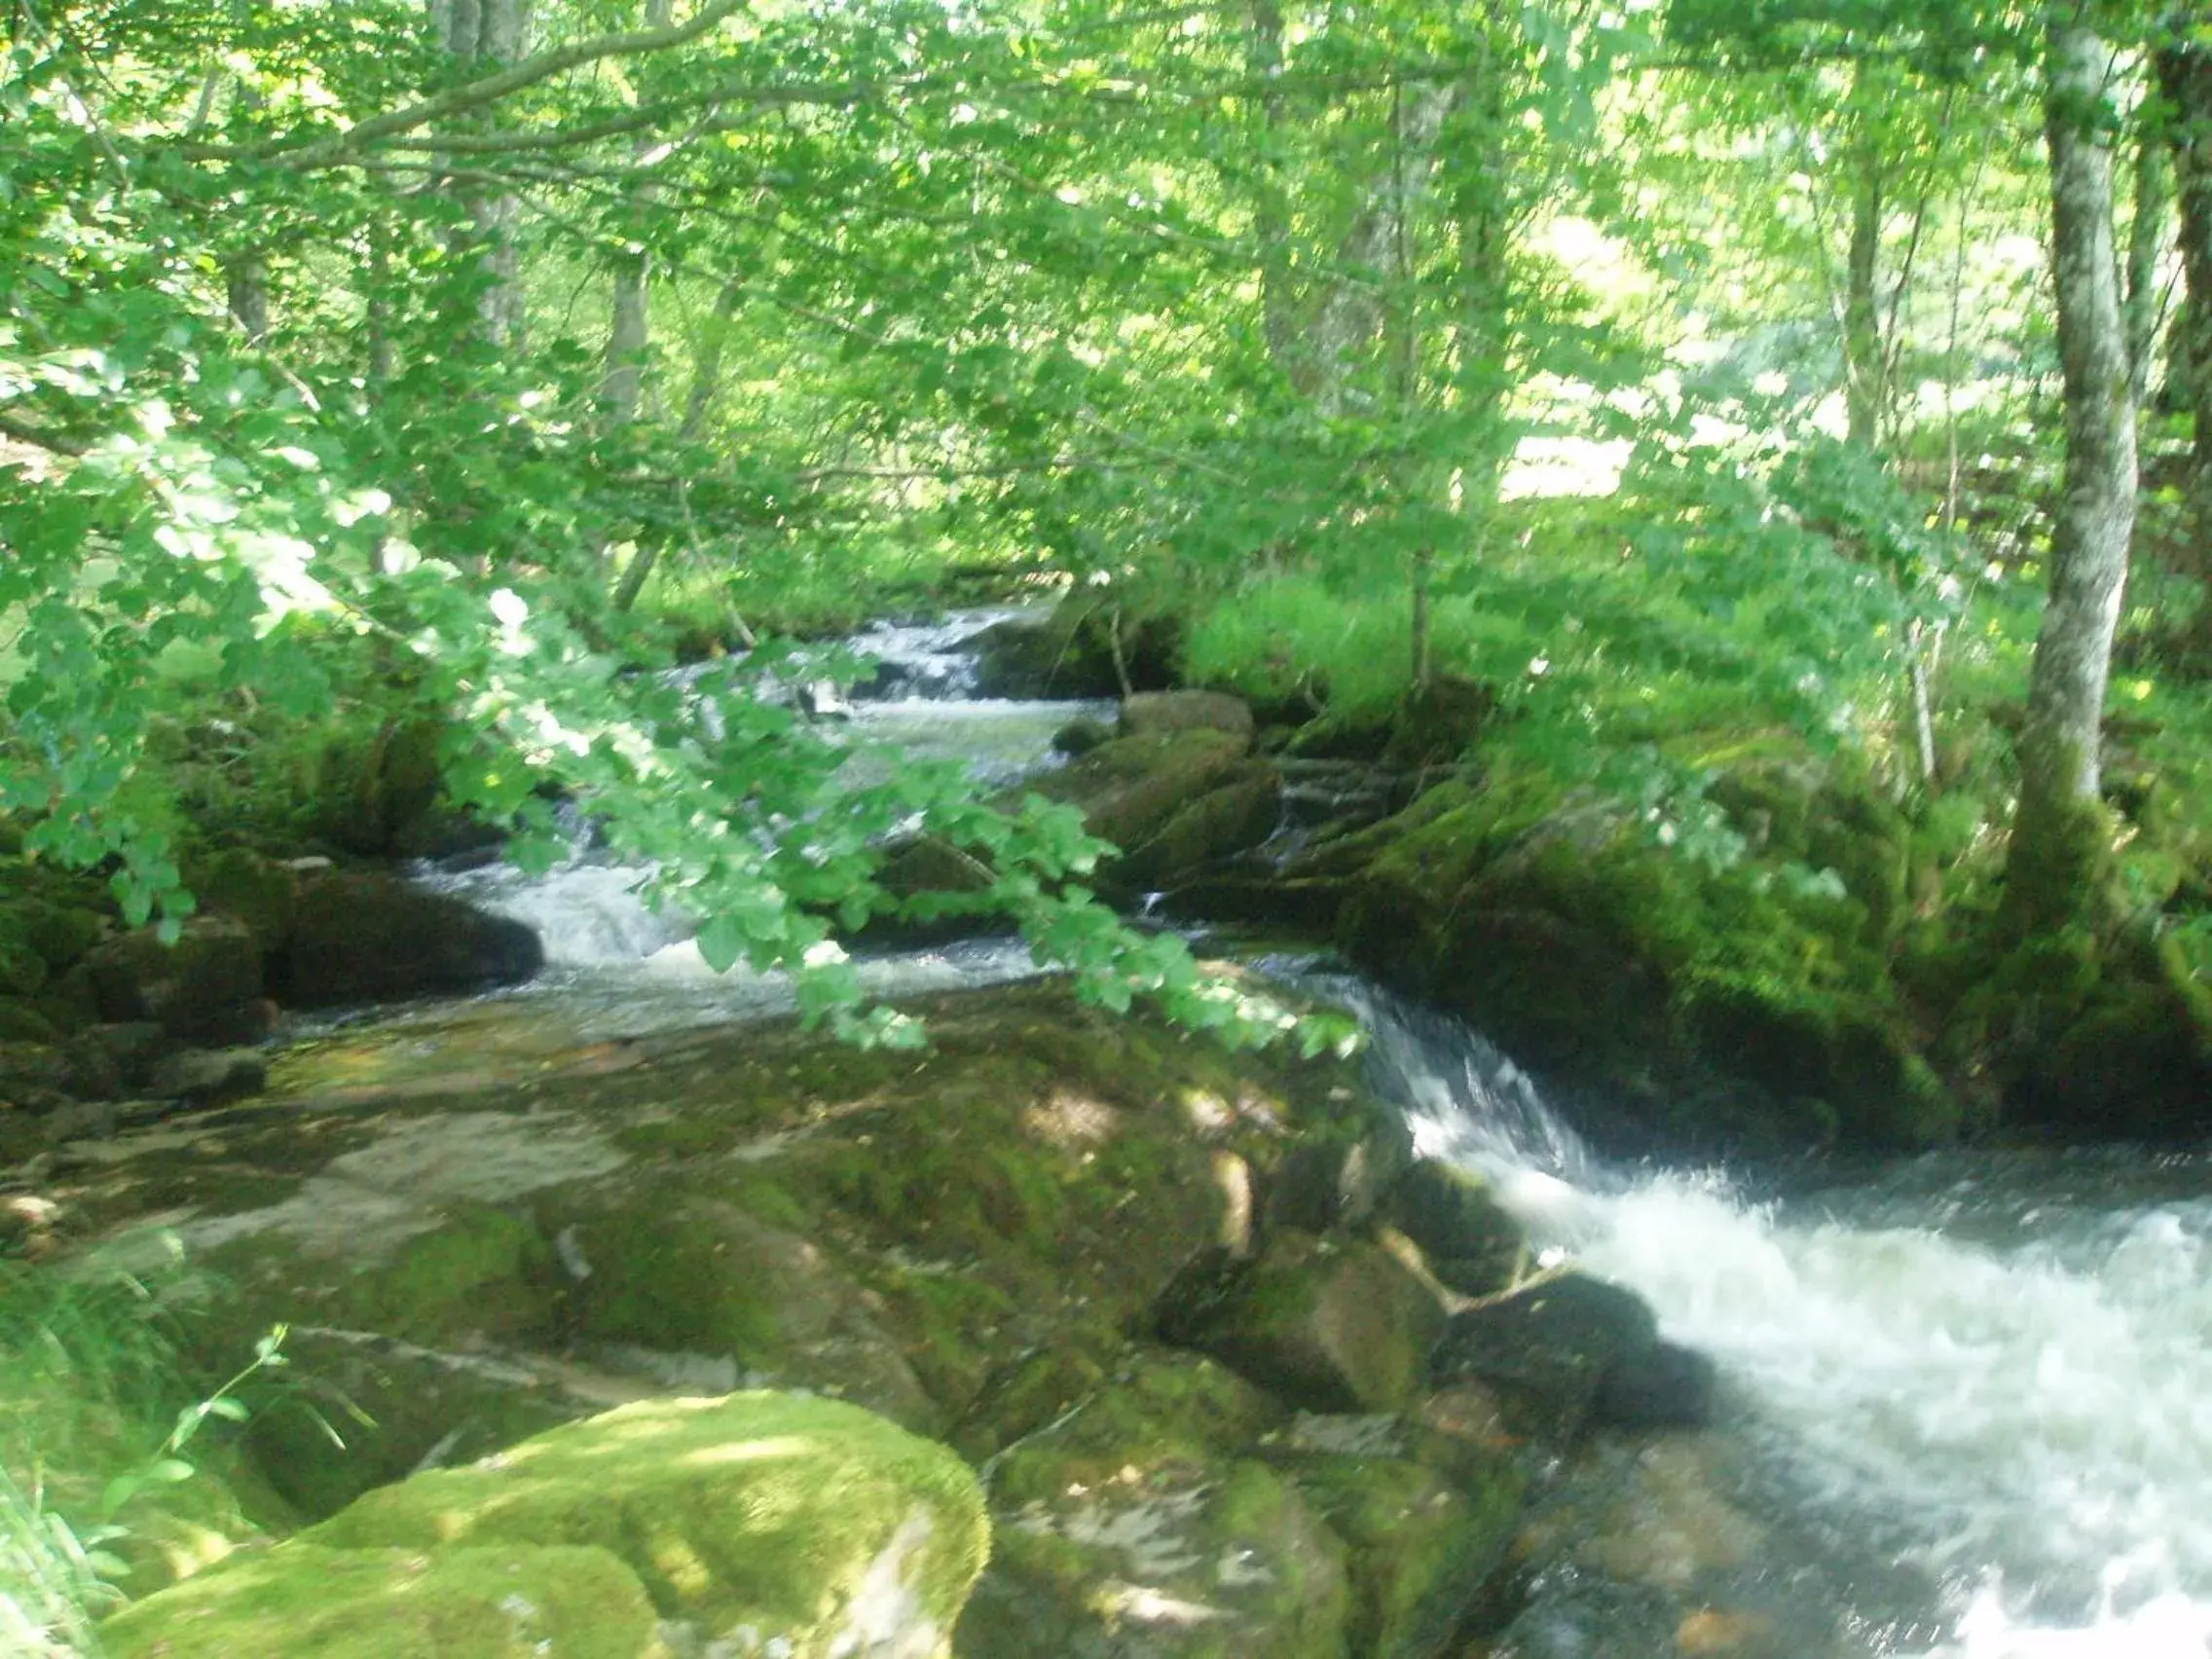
<point>1160,713</point>
<point>363,937</point>
<point>801,1520</point>
<point>514,1602</point>
<point>202,989</point>
<point>1333,1325</point>
<point>1568,1351</point>
<point>1140,1523</point>
<point>1473,1244</point>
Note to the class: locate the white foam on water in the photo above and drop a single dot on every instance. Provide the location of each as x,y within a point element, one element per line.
<point>2024,1409</point>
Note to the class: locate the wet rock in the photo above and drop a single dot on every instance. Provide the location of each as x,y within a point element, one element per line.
<point>1233,815</point>
<point>1326,1184</point>
<point>204,1077</point>
<point>1332,1325</point>
<point>1665,1387</point>
<point>1162,714</point>
<point>1473,1244</point>
<point>1568,1350</point>
<point>363,937</point>
<point>1081,735</point>
<point>199,989</point>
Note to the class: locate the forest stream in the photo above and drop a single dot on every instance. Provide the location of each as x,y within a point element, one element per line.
<point>1970,1398</point>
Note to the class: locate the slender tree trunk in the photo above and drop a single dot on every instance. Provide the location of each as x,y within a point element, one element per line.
<point>631,334</point>
<point>484,33</point>
<point>383,356</point>
<point>707,370</point>
<point>2185,77</point>
<point>1478,171</point>
<point>1270,214</point>
<point>2060,840</point>
<point>1864,391</point>
<point>2146,241</point>
<point>1354,313</point>
<point>246,277</point>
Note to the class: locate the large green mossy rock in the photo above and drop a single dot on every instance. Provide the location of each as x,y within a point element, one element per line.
<point>1741,1004</point>
<point>300,1600</point>
<point>798,1519</point>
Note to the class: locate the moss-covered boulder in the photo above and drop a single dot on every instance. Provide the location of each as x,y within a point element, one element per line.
<point>1072,651</point>
<point>251,889</point>
<point>205,987</point>
<point>798,1519</point>
<point>1424,1549</point>
<point>730,1285</point>
<point>1160,713</point>
<point>510,1602</point>
<point>1140,1523</point>
<point>1332,1324</point>
<point>1708,1002</point>
<point>378,788</point>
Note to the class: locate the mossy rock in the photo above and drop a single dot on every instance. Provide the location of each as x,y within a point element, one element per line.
<point>804,1519</point>
<point>1472,1243</point>
<point>1166,1416</point>
<point>1743,1007</point>
<point>198,988</point>
<point>1071,651</point>
<point>376,786</point>
<point>509,1602</point>
<point>1130,790</point>
<point>1233,815</point>
<point>1422,1551</point>
<point>1138,1522</point>
<point>365,936</point>
<point>702,1275</point>
<point>255,890</point>
<point>1333,1325</point>
<point>22,1021</point>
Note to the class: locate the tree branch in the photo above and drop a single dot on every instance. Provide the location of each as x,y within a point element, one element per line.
<point>54,443</point>
<point>487,89</point>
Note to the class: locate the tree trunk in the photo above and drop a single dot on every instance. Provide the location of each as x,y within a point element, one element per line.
<point>2185,77</point>
<point>1479,224</point>
<point>1270,212</point>
<point>1353,314</point>
<point>706,372</point>
<point>631,333</point>
<point>482,34</point>
<point>2060,839</point>
<point>2146,241</point>
<point>1865,393</point>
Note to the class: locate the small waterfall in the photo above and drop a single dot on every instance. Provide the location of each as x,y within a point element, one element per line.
<point>1998,1370</point>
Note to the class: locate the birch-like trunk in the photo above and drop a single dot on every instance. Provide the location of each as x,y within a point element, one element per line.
<point>1863,358</point>
<point>483,34</point>
<point>1353,314</point>
<point>2059,836</point>
<point>2185,77</point>
<point>1271,211</point>
<point>2146,241</point>
<point>630,335</point>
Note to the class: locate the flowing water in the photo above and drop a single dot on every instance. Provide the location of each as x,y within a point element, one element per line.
<point>1971,1393</point>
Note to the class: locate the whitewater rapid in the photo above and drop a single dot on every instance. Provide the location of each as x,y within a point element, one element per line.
<point>1993,1371</point>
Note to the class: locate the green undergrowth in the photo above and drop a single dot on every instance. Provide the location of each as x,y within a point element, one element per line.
<point>117,1469</point>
